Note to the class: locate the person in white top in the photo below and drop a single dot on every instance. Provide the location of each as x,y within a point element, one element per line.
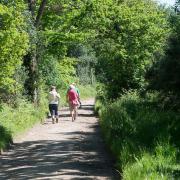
<point>54,98</point>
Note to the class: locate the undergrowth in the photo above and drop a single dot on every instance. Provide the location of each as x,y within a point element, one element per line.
<point>16,120</point>
<point>143,137</point>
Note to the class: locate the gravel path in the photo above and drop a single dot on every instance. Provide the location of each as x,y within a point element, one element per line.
<point>67,150</point>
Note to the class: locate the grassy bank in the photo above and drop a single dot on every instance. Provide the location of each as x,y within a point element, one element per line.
<point>16,120</point>
<point>143,137</point>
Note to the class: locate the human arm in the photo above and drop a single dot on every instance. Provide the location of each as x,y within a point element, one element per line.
<point>58,96</point>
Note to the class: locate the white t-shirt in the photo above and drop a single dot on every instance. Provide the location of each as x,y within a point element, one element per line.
<point>53,97</point>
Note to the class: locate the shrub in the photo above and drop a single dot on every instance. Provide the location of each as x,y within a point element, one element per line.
<point>132,126</point>
<point>5,137</point>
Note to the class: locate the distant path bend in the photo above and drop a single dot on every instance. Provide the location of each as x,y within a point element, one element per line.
<point>67,150</point>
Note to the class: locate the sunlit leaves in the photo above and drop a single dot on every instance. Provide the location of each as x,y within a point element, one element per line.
<point>13,44</point>
<point>127,36</point>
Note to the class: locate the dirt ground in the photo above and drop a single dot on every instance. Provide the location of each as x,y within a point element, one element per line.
<point>67,150</point>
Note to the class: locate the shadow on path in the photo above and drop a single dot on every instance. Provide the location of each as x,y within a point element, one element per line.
<point>80,155</point>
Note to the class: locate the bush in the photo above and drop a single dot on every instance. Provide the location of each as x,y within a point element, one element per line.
<point>5,137</point>
<point>132,125</point>
<point>14,43</point>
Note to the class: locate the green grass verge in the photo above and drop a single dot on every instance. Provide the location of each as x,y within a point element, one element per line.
<point>87,91</point>
<point>17,120</point>
<point>142,137</point>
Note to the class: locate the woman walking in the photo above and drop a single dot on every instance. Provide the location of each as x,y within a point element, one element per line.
<point>72,98</point>
<point>53,103</point>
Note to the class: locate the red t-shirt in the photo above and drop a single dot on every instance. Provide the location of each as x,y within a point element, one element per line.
<point>73,97</point>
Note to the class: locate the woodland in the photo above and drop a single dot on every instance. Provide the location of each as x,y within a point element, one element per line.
<point>128,51</point>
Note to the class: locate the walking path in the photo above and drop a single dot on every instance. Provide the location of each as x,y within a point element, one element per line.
<point>67,150</point>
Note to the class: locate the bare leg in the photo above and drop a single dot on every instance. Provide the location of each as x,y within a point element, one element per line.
<point>75,112</point>
<point>72,115</point>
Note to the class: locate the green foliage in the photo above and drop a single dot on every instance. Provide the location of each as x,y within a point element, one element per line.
<point>98,107</point>
<point>59,73</point>
<point>13,46</point>
<point>128,35</point>
<point>5,137</point>
<point>58,25</point>
<point>87,91</point>
<point>86,62</point>
<point>165,72</point>
<point>132,126</point>
<point>67,71</point>
<point>48,69</point>
<point>158,165</point>
<point>17,120</point>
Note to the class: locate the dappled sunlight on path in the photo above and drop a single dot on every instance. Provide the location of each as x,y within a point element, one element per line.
<point>67,150</point>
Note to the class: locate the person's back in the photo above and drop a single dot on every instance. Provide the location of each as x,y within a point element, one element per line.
<point>78,92</point>
<point>53,97</point>
<point>72,98</point>
<point>72,95</point>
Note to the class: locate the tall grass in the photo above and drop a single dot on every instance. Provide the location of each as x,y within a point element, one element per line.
<point>134,128</point>
<point>87,91</point>
<point>16,120</point>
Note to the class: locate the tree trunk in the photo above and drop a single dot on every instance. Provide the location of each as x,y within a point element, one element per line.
<point>40,12</point>
<point>30,64</point>
<point>30,60</point>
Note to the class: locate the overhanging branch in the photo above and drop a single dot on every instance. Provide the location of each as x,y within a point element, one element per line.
<point>40,12</point>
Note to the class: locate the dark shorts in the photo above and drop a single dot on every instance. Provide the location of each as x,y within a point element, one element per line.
<point>53,108</point>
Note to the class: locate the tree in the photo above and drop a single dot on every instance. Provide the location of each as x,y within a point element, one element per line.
<point>30,60</point>
<point>14,43</point>
<point>164,74</point>
<point>86,62</point>
<point>177,6</point>
<point>126,34</point>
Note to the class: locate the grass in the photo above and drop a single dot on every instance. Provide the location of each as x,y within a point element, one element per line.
<point>141,136</point>
<point>17,120</point>
<point>157,165</point>
<point>87,91</point>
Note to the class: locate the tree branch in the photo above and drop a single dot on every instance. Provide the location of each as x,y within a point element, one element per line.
<point>31,4</point>
<point>40,12</point>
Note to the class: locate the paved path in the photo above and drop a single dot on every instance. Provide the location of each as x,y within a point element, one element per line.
<point>67,150</point>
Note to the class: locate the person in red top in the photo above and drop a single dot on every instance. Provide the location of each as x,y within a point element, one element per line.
<point>72,98</point>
